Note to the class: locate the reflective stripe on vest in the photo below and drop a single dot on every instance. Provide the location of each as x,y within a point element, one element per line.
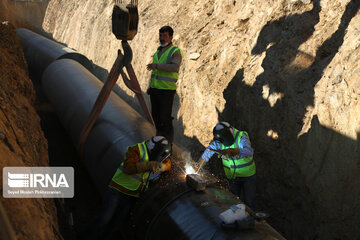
<point>162,79</point>
<point>241,165</point>
<point>169,79</point>
<point>133,181</point>
<point>238,167</point>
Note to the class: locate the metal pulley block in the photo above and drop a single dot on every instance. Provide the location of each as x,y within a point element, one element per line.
<point>125,20</point>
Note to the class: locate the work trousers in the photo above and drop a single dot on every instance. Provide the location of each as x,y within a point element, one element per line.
<point>247,186</point>
<point>114,212</point>
<point>161,109</point>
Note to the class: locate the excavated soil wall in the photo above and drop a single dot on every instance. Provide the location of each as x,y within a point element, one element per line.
<point>22,142</point>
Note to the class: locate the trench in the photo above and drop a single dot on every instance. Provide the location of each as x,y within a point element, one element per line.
<point>72,213</point>
<point>72,90</point>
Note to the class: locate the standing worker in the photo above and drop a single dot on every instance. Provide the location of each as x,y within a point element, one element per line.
<point>143,162</point>
<point>165,71</point>
<point>236,152</point>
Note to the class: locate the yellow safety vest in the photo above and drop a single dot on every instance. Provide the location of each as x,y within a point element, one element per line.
<point>162,79</point>
<point>241,167</point>
<point>134,181</point>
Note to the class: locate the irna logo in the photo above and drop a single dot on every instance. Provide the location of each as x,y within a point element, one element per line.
<point>17,180</point>
<point>38,182</point>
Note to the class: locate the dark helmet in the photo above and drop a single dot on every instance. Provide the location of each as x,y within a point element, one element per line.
<point>223,133</point>
<point>159,148</point>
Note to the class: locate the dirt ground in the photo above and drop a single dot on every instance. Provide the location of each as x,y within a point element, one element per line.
<point>31,135</point>
<point>22,141</point>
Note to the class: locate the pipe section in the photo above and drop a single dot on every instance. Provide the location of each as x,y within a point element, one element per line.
<point>185,213</point>
<point>40,52</point>
<point>73,91</point>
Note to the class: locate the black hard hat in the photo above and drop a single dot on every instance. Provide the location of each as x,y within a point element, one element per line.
<point>160,148</point>
<point>223,133</point>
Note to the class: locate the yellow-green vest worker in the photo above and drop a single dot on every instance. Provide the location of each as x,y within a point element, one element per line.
<point>163,82</point>
<point>135,183</point>
<point>242,165</point>
<point>238,167</point>
<point>161,79</point>
<point>127,184</point>
<point>234,147</point>
<point>132,177</point>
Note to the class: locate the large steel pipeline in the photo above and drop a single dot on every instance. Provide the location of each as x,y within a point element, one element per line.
<point>40,52</point>
<point>169,209</point>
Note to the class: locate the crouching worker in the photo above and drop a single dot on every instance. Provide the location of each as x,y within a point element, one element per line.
<point>234,148</point>
<point>143,162</point>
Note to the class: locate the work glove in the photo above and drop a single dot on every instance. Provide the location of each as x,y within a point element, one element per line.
<point>199,165</point>
<point>153,166</point>
<point>166,165</point>
<point>228,153</point>
<point>163,166</point>
<point>157,167</point>
<point>146,166</point>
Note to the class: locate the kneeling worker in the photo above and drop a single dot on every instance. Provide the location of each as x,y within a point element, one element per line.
<point>143,162</point>
<point>234,147</point>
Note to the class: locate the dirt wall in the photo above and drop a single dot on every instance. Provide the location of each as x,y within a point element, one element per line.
<point>22,142</point>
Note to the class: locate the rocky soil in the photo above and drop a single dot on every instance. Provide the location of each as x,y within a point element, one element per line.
<point>22,142</point>
<point>286,71</point>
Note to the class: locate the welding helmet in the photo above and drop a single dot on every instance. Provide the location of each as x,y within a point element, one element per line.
<point>223,132</point>
<point>159,148</point>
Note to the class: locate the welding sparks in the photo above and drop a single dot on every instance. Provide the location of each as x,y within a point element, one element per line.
<point>189,164</point>
<point>189,169</point>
